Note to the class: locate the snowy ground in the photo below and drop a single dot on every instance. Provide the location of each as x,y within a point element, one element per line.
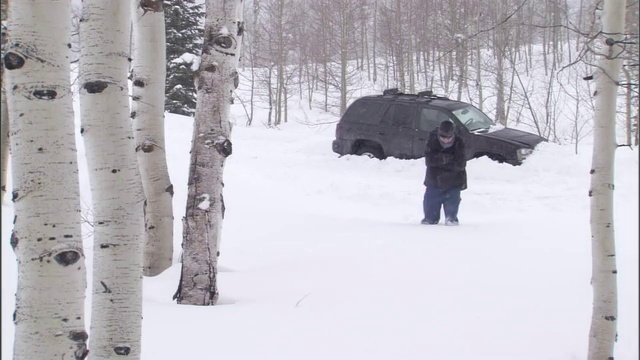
<point>324,257</point>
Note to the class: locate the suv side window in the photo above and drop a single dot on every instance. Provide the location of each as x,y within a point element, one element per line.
<point>430,119</point>
<point>403,116</point>
<point>368,112</point>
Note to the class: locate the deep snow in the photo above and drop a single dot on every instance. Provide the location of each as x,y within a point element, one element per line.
<point>323,257</point>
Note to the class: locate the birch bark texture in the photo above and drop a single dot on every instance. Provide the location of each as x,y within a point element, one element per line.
<point>4,111</point>
<point>215,79</point>
<point>602,335</point>
<point>116,189</point>
<point>46,238</point>
<point>148,74</point>
<point>4,138</point>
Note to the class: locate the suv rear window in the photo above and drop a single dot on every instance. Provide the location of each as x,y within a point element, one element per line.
<point>403,115</point>
<point>368,112</point>
<point>430,119</point>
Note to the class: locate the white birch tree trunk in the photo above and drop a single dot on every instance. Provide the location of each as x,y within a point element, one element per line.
<point>602,335</point>
<point>116,189</point>
<point>4,111</point>
<point>147,113</point>
<point>216,78</point>
<point>47,238</point>
<point>4,140</point>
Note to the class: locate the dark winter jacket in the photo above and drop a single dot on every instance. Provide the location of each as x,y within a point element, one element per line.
<point>445,167</point>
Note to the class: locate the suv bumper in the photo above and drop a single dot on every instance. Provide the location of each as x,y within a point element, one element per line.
<point>341,146</point>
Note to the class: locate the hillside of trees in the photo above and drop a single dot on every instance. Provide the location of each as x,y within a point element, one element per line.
<point>517,60</point>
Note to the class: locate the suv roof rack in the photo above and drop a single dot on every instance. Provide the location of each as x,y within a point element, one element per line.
<point>426,94</point>
<point>393,91</point>
<point>429,95</point>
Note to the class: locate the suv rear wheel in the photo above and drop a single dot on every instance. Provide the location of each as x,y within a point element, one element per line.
<point>370,151</point>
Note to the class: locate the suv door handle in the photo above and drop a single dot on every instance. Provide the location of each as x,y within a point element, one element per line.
<point>380,133</point>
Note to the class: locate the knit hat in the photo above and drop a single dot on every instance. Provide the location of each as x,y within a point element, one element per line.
<point>445,129</point>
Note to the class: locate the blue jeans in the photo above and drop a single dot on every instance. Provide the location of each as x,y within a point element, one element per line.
<point>435,198</point>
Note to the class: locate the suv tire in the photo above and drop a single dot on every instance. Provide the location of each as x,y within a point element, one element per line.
<point>370,152</point>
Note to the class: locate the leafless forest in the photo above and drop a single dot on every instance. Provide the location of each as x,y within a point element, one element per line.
<point>522,61</point>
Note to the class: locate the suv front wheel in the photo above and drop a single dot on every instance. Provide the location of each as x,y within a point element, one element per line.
<point>370,151</point>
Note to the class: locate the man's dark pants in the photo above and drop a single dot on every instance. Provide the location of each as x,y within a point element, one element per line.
<point>435,198</point>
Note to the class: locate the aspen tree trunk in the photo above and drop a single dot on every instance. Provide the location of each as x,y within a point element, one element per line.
<point>47,238</point>
<point>479,84</point>
<point>147,113</point>
<point>499,46</point>
<point>286,106</point>
<point>400,48</point>
<point>4,140</point>
<point>412,69</point>
<point>281,65</point>
<point>116,189</point>
<point>375,40</point>
<point>602,335</point>
<point>4,111</point>
<point>627,110</point>
<point>215,79</point>
<point>343,68</point>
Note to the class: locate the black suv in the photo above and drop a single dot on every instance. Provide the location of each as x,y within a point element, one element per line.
<point>398,125</point>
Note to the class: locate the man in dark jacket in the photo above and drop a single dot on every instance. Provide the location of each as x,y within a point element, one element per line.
<point>446,174</point>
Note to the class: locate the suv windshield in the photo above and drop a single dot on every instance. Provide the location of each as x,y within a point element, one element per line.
<point>473,118</point>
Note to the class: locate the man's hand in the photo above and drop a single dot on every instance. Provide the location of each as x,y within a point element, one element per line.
<point>439,159</point>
